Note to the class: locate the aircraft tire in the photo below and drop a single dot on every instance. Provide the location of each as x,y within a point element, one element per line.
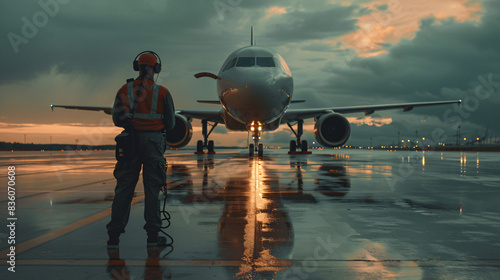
<point>293,146</point>
<point>251,150</point>
<point>261,150</point>
<point>211,146</point>
<point>303,146</point>
<point>199,146</point>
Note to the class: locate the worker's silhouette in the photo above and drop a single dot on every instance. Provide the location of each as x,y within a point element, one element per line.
<point>146,111</point>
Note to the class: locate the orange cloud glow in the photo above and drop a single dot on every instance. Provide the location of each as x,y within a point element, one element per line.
<point>401,20</point>
<point>275,11</point>
<point>101,134</point>
<point>88,134</point>
<point>378,122</point>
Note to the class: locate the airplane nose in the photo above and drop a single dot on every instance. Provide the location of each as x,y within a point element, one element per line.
<point>259,98</point>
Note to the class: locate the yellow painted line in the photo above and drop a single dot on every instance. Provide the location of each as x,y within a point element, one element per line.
<point>64,230</point>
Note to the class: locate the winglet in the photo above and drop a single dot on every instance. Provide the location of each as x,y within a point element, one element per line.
<point>52,107</point>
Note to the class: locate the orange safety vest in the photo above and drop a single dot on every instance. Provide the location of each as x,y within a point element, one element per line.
<point>148,114</point>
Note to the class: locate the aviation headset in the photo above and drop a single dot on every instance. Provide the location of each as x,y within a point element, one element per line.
<point>156,68</point>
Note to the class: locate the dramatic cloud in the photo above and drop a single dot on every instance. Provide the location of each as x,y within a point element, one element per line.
<point>447,59</point>
<point>301,25</point>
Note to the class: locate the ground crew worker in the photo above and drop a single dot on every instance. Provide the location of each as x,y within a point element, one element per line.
<point>146,111</point>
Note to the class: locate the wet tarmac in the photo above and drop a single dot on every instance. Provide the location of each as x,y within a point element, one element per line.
<point>341,214</point>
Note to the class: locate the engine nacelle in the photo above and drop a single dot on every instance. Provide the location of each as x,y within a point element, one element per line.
<point>181,134</point>
<point>332,130</point>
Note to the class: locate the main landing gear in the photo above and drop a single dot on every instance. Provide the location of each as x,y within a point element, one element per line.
<point>294,144</point>
<point>200,145</point>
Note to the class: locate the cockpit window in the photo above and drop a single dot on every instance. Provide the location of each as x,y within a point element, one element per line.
<point>245,62</point>
<point>230,64</point>
<point>265,61</point>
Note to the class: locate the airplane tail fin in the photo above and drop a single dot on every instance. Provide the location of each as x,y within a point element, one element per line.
<point>252,42</point>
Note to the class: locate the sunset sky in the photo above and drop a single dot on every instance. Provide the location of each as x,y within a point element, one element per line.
<point>340,53</point>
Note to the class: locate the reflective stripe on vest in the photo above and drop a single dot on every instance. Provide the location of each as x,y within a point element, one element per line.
<point>154,103</point>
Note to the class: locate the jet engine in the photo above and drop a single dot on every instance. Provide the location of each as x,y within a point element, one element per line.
<point>332,130</point>
<point>181,134</point>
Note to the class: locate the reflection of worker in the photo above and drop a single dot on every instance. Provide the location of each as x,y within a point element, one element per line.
<point>117,267</point>
<point>146,111</point>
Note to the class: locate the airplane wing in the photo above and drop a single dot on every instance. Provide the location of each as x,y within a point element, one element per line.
<point>209,115</point>
<point>106,110</point>
<point>301,114</point>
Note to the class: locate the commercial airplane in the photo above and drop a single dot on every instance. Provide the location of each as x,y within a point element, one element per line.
<point>255,89</point>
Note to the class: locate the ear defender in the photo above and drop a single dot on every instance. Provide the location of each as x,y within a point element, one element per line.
<point>156,67</point>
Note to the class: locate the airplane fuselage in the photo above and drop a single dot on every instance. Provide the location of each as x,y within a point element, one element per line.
<point>255,87</point>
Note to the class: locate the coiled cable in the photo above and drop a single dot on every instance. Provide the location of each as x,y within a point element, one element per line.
<point>165,216</point>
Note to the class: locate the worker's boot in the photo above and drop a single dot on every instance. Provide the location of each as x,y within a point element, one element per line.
<point>154,240</point>
<point>113,241</point>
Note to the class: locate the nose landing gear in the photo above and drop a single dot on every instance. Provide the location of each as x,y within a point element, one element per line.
<point>256,147</point>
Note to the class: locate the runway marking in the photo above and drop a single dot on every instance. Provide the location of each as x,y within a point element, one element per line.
<point>64,230</point>
<point>237,263</point>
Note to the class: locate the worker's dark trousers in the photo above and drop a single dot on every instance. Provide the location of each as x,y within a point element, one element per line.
<point>150,147</point>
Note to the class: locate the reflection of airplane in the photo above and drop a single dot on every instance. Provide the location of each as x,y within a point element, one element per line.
<point>255,88</point>
<point>333,180</point>
<point>254,230</point>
